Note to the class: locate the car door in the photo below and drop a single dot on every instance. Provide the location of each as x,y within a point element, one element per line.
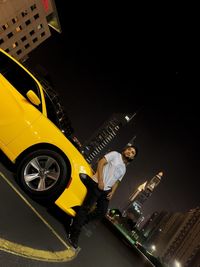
<point>16,111</point>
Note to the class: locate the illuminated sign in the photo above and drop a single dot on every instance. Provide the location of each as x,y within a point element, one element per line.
<point>45,4</point>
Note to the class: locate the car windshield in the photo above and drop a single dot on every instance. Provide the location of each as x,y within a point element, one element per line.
<point>56,112</point>
<point>17,76</point>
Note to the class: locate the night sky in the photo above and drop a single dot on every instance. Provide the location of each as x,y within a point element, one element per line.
<point>107,62</point>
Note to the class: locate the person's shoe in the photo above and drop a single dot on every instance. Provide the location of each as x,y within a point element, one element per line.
<point>73,243</point>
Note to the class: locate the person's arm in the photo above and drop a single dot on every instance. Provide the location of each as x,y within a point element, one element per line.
<point>114,187</point>
<point>100,166</point>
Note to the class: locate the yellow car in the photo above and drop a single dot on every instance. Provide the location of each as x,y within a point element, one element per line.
<point>49,166</point>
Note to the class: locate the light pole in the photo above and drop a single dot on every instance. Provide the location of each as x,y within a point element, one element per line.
<point>153,249</point>
<point>177,263</point>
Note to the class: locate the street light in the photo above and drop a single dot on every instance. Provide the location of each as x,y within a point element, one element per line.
<point>153,248</point>
<point>177,263</point>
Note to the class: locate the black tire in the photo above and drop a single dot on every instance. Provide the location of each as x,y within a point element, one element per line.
<point>43,175</point>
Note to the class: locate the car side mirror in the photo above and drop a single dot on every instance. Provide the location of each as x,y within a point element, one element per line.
<point>34,99</point>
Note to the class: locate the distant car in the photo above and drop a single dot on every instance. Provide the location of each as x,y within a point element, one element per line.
<point>49,167</point>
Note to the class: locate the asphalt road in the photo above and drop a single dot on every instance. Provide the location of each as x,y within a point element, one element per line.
<point>33,235</point>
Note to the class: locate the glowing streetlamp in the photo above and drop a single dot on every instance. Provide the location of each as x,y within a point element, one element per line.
<point>177,263</point>
<point>153,248</point>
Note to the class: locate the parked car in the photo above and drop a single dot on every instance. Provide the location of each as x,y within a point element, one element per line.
<point>48,166</point>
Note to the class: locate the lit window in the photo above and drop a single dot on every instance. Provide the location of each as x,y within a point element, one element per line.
<point>5,26</point>
<point>15,44</point>
<point>39,26</point>
<point>19,28</point>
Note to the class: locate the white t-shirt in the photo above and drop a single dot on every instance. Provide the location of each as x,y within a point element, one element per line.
<point>113,171</point>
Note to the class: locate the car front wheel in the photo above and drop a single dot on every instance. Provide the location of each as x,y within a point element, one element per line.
<point>43,174</point>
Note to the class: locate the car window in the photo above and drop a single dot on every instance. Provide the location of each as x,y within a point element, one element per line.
<point>56,112</point>
<point>51,110</point>
<point>18,77</point>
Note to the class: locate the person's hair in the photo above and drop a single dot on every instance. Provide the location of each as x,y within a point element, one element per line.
<point>136,151</point>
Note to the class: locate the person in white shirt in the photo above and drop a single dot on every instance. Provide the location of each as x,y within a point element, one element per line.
<point>100,189</point>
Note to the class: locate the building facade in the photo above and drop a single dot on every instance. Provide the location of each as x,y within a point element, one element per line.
<point>141,194</point>
<point>98,144</point>
<point>25,24</point>
<point>175,237</point>
<point>184,247</point>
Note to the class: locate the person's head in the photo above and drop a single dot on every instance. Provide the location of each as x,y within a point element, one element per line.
<point>129,153</point>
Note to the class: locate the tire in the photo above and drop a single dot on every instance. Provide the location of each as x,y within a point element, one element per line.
<point>43,175</point>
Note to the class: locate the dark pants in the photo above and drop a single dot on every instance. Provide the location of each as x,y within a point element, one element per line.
<point>84,214</point>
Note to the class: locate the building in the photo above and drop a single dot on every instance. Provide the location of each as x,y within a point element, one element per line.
<point>184,246</point>
<point>174,237</point>
<point>141,194</point>
<point>98,144</point>
<point>163,227</point>
<point>150,224</point>
<point>25,24</point>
